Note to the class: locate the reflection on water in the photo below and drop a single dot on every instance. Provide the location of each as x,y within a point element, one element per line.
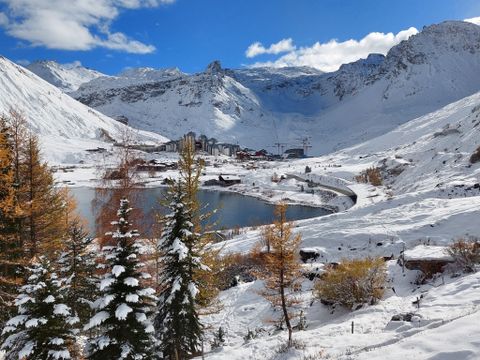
<point>233,209</point>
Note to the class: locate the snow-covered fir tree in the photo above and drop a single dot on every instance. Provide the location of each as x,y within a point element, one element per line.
<point>44,327</point>
<point>121,322</point>
<point>77,266</point>
<point>177,323</point>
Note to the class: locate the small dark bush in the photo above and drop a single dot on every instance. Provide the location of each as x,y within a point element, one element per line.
<point>243,267</point>
<point>475,156</point>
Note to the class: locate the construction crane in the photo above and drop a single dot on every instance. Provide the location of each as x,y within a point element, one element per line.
<point>279,146</point>
<point>305,143</point>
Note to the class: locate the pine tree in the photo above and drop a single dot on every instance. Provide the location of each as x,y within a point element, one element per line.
<point>77,266</point>
<point>177,322</point>
<point>281,268</point>
<point>44,327</point>
<point>121,319</point>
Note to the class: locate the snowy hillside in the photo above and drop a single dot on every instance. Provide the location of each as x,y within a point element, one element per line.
<point>259,107</point>
<point>67,77</point>
<point>430,187</point>
<point>430,195</point>
<point>65,126</point>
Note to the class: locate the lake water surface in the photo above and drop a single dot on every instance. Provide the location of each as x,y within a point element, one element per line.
<point>233,209</point>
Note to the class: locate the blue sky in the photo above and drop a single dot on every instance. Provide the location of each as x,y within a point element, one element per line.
<point>110,35</point>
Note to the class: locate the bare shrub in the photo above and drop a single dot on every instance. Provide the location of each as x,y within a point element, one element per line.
<point>353,282</point>
<point>371,175</point>
<point>465,253</point>
<point>240,267</point>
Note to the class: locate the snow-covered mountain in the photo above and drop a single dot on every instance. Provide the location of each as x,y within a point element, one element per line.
<point>261,106</point>
<point>67,77</point>
<point>65,126</point>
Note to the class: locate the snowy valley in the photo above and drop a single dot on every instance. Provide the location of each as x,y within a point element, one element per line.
<point>413,116</point>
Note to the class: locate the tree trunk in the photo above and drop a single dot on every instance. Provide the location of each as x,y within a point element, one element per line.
<point>284,308</point>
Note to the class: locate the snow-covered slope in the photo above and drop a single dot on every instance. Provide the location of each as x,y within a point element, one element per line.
<point>65,126</point>
<point>430,195</point>
<point>67,77</point>
<point>430,187</point>
<point>259,107</point>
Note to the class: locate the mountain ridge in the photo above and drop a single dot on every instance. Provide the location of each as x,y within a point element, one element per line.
<point>258,107</point>
<point>64,126</point>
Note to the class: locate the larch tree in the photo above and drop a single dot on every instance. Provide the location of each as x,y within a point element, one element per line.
<point>281,268</point>
<point>121,322</point>
<point>43,204</point>
<point>39,224</point>
<point>190,170</point>
<point>177,323</point>
<point>18,135</point>
<point>11,251</point>
<point>44,326</point>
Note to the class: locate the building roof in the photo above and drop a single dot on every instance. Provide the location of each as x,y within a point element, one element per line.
<point>426,252</point>
<point>230,177</point>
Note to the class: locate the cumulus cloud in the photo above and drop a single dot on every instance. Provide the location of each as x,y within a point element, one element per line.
<point>72,25</point>
<point>474,20</point>
<point>330,55</point>
<point>282,46</point>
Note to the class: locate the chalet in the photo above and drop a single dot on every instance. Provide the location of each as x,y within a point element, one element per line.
<point>229,180</point>
<point>156,165</point>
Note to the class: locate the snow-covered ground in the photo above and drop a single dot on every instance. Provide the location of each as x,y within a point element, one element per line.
<point>444,327</point>
<point>429,197</point>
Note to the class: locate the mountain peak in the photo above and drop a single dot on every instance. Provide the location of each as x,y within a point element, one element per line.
<point>67,77</point>
<point>215,67</point>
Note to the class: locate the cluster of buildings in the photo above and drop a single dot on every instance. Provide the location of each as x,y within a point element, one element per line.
<point>204,144</point>
<point>211,146</point>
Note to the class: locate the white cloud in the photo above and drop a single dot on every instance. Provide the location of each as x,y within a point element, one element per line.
<point>282,46</point>
<point>3,19</point>
<point>475,20</point>
<point>330,55</point>
<point>72,25</point>
<point>119,41</point>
